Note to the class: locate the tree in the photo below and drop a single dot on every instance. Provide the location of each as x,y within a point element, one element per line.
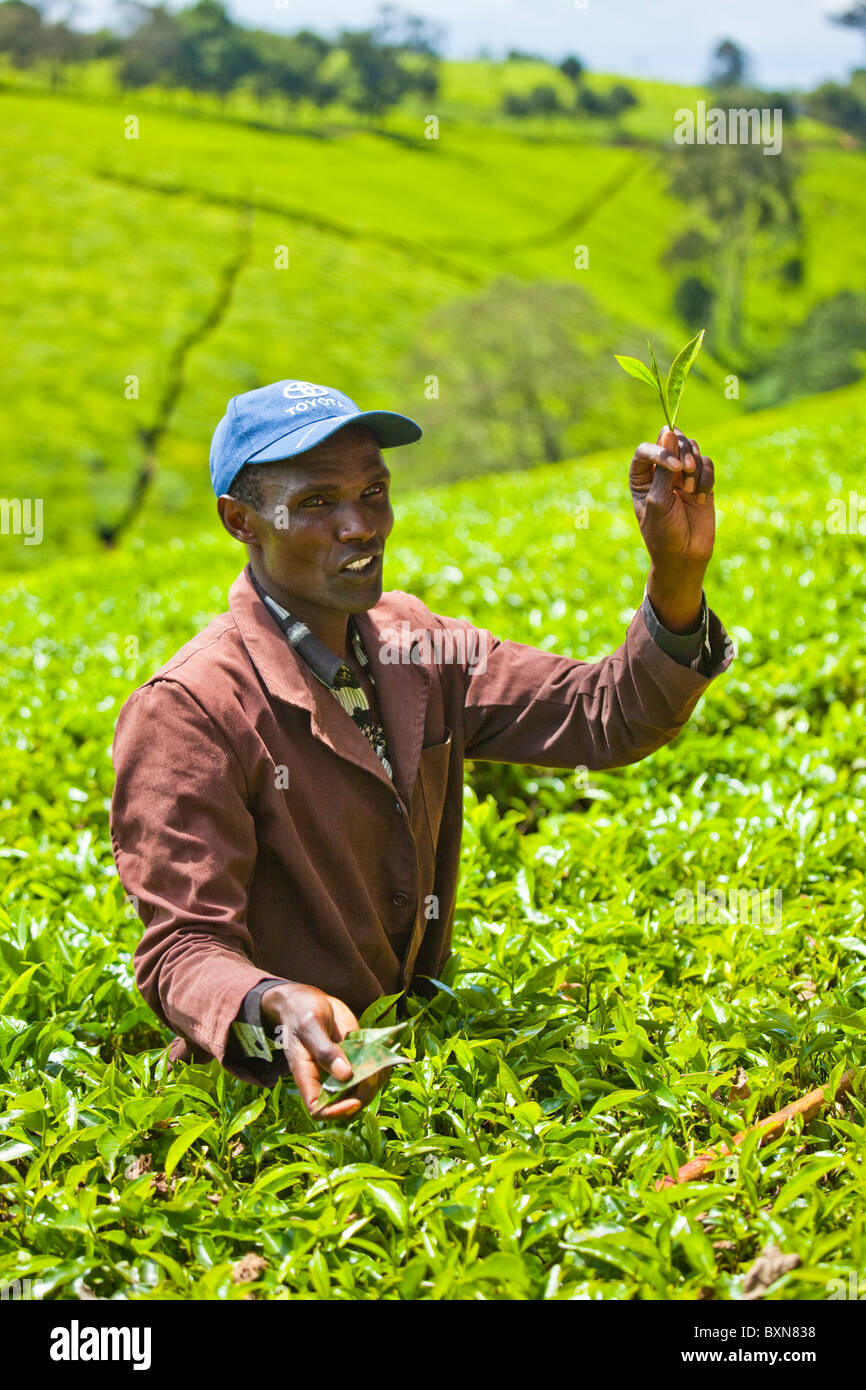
<point>819,355</point>
<point>152,51</point>
<point>572,68</point>
<point>215,52</point>
<point>200,48</point>
<point>425,82</point>
<point>20,32</point>
<point>620,98</point>
<point>855,18</point>
<point>731,64</point>
<point>378,78</point>
<point>838,106</point>
<point>592,103</point>
<point>289,66</point>
<point>543,100</point>
<point>748,208</point>
<point>527,376</point>
<point>693,301</point>
<point>408,33</point>
<point>694,298</point>
<point>513,104</point>
<point>690,247</point>
<point>27,38</point>
<point>784,102</point>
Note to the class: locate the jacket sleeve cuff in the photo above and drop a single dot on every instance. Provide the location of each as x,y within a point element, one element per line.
<point>707,651</point>
<point>715,655</point>
<point>687,648</point>
<point>248,1028</point>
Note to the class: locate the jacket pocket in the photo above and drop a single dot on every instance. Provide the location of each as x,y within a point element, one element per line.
<point>433,777</point>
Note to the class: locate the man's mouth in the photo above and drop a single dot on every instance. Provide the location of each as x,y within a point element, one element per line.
<point>363,566</point>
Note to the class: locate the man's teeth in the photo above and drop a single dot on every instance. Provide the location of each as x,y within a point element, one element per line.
<point>361,564</point>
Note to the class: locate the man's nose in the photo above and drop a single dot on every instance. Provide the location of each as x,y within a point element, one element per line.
<point>356,523</point>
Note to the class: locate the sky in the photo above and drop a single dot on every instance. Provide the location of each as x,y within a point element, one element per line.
<point>790,42</point>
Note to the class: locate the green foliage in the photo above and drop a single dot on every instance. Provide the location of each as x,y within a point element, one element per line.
<point>825,351</point>
<point>669,392</point>
<point>572,68</point>
<point>202,49</point>
<point>730,64</point>
<point>516,1153</point>
<point>27,38</point>
<point>693,300</point>
<point>745,211</point>
<point>526,377</point>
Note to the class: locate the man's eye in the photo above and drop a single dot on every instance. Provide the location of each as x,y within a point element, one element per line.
<point>312,501</point>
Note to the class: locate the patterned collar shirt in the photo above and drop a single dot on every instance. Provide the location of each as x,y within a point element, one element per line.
<point>334,673</point>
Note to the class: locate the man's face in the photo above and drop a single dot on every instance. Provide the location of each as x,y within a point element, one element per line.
<point>320,511</point>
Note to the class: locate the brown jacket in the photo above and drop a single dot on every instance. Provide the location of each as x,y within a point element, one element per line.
<point>260,835</point>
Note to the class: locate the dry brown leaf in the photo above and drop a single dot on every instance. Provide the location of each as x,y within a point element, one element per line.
<point>249,1268</point>
<point>770,1265</point>
<point>739,1087</point>
<point>162,1186</point>
<point>138,1166</point>
<point>808,990</point>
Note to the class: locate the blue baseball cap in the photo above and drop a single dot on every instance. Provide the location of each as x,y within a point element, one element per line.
<point>288,418</point>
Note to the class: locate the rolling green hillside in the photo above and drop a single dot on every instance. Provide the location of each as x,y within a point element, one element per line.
<point>148,266</point>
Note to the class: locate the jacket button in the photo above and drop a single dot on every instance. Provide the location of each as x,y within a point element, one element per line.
<point>399,899</point>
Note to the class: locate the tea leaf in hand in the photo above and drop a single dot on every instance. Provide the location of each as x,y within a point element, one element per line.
<point>368,1051</point>
<point>658,380</point>
<point>669,392</point>
<point>636,368</point>
<point>680,368</point>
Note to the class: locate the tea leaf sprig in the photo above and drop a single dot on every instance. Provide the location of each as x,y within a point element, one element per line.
<point>669,392</point>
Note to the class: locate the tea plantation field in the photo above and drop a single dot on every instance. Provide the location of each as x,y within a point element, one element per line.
<point>517,1155</point>
<point>151,278</point>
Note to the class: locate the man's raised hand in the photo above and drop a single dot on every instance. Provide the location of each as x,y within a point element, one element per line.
<point>671,485</point>
<point>313,1024</point>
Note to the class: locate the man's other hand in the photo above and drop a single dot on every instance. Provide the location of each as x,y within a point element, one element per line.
<point>671,485</point>
<point>313,1024</point>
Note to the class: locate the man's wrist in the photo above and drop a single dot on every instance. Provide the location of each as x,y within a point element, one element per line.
<point>677,598</point>
<point>277,992</point>
<point>249,1026</point>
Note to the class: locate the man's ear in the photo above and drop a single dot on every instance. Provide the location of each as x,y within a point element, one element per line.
<point>238,519</point>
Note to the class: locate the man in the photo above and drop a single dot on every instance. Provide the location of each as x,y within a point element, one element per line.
<point>288,804</point>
